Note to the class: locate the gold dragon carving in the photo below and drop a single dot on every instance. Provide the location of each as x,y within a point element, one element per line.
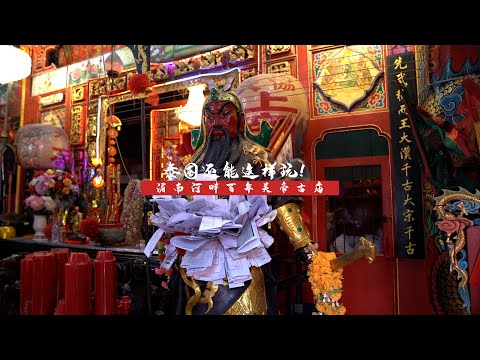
<point>444,214</point>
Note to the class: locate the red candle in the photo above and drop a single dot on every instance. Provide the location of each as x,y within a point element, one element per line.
<point>61,258</point>
<point>60,309</point>
<point>26,266</point>
<point>105,274</point>
<point>124,306</point>
<point>44,283</point>
<point>78,284</point>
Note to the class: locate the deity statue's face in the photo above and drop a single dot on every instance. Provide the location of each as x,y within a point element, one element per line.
<point>221,118</point>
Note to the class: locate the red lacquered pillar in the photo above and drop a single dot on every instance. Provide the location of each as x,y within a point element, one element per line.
<point>105,275</point>
<point>61,257</point>
<point>78,284</point>
<point>44,283</point>
<point>26,267</point>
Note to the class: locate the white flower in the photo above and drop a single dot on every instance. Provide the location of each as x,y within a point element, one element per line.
<point>49,204</point>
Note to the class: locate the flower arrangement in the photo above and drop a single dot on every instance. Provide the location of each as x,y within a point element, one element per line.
<point>51,189</point>
<point>326,284</point>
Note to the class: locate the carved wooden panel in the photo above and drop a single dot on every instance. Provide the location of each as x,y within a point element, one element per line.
<point>78,93</point>
<point>159,72</point>
<point>210,60</point>
<point>277,49</point>
<point>241,53</point>
<point>103,86</point>
<point>92,126</point>
<point>282,67</point>
<point>183,67</point>
<point>54,116</point>
<point>77,125</point>
<point>39,55</point>
<point>247,72</point>
<point>52,99</point>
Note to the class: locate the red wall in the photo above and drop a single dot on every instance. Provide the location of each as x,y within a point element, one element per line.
<point>410,282</point>
<point>413,298</point>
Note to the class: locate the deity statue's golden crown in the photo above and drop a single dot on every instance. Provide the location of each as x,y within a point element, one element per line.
<point>218,93</point>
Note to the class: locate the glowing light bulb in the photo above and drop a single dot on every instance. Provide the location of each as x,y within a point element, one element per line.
<point>98,181</point>
<point>97,162</point>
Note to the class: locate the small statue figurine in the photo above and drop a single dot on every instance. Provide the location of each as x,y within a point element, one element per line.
<point>75,219</point>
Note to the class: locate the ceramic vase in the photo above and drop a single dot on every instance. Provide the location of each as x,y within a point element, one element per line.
<point>39,224</point>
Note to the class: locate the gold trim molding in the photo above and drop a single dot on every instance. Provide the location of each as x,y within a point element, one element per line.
<point>105,101</point>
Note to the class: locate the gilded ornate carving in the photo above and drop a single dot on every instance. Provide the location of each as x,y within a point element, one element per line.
<point>92,126</point>
<point>103,86</point>
<point>183,67</point>
<point>92,107</point>
<point>241,53</point>
<point>202,79</point>
<point>440,207</point>
<point>246,73</point>
<point>96,88</point>
<point>279,68</point>
<point>76,136</point>
<point>142,58</point>
<point>119,84</point>
<point>78,93</point>
<point>159,72</point>
<point>211,59</point>
<point>277,49</point>
<point>91,153</point>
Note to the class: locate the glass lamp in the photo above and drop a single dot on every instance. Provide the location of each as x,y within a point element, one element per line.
<point>113,65</point>
<point>191,113</point>
<point>15,64</point>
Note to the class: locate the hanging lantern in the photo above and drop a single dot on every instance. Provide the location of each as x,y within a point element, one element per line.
<point>114,125</point>
<point>114,121</point>
<point>97,162</point>
<point>191,113</point>
<point>15,64</point>
<point>113,65</point>
<point>98,181</point>
<point>42,146</point>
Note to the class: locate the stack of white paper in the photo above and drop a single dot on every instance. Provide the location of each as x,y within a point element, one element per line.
<point>222,238</point>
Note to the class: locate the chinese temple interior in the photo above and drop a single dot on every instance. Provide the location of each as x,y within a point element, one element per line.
<point>396,127</point>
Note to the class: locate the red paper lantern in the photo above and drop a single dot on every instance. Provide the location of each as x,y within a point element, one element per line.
<point>138,83</point>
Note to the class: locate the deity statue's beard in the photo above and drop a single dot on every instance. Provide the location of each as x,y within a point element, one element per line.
<point>220,149</point>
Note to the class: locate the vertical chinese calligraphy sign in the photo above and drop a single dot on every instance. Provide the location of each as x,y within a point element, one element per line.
<point>407,171</point>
